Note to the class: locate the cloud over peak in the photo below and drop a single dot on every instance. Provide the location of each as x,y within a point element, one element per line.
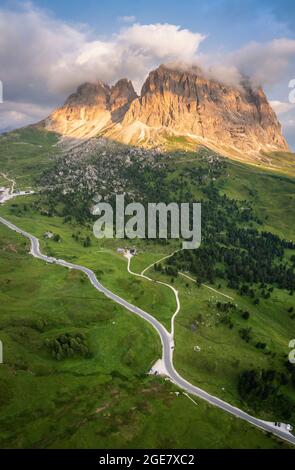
<point>58,56</point>
<point>54,57</point>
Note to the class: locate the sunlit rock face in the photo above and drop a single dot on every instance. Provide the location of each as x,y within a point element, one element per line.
<point>174,101</point>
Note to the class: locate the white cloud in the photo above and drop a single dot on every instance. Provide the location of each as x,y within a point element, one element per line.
<point>289,124</point>
<point>266,63</point>
<point>18,114</point>
<point>281,107</point>
<point>127,18</point>
<point>161,41</point>
<point>227,74</point>
<point>58,57</point>
<point>131,53</point>
<point>43,59</point>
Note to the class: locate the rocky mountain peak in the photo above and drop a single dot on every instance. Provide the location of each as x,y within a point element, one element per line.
<point>89,95</point>
<point>173,100</point>
<point>167,77</point>
<point>92,108</point>
<point>121,95</point>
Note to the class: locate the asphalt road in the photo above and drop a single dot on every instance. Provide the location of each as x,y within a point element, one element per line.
<point>166,339</point>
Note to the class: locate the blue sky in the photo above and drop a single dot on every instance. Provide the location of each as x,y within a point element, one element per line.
<point>75,39</point>
<point>229,23</point>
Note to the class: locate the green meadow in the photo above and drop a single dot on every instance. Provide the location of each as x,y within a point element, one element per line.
<point>211,355</point>
<point>25,153</point>
<point>101,256</point>
<point>106,400</point>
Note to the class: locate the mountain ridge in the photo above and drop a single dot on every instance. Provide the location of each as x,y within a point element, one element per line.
<point>173,102</point>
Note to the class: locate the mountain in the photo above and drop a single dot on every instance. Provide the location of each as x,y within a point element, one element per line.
<point>92,108</point>
<point>173,102</point>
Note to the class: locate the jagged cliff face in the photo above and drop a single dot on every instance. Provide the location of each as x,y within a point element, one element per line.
<point>174,102</point>
<point>94,107</point>
<point>189,103</point>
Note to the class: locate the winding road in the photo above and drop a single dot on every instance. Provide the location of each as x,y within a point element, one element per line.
<point>175,292</point>
<point>166,339</point>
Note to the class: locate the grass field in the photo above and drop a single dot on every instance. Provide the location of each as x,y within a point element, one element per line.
<point>101,256</point>
<point>25,153</point>
<point>106,401</point>
<point>223,354</point>
<point>272,195</point>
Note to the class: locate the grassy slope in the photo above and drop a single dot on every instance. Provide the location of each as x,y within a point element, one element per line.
<point>103,402</point>
<point>24,153</point>
<point>272,195</point>
<point>225,351</point>
<point>101,256</point>
<point>274,162</point>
